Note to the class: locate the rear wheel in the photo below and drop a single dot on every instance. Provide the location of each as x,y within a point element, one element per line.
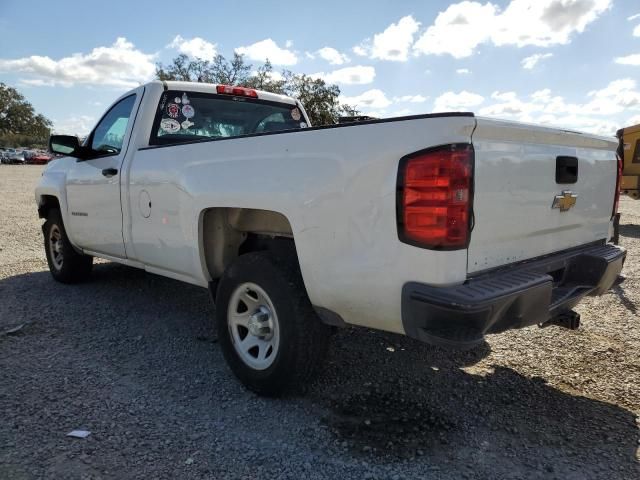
<point>270,335</point>
<point>65,263</point>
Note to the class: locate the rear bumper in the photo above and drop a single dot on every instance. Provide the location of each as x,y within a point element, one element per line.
<point>514,297</point>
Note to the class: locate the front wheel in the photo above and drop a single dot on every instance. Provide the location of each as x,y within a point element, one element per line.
<point>65,264</point>
<point>270,335</point>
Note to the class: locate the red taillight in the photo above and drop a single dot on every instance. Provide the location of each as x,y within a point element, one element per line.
<point>237,91</point>
<point>618,182</point>
<point>434,197</point>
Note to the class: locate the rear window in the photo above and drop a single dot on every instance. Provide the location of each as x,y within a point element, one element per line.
<point>187,116</point>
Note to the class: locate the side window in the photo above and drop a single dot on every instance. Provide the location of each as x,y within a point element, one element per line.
<point>636,153</point>
<point>108,136</point>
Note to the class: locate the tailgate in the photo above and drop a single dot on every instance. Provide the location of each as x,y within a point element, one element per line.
<point>516,168</point>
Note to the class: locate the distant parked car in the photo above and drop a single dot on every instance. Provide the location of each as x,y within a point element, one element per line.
<point>13,156</point>
<point>39,159</point>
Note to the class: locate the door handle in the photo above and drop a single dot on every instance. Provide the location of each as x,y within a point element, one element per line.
<point>110,172</point>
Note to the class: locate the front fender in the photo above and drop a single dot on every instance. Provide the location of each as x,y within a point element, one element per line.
<point>53,183</point>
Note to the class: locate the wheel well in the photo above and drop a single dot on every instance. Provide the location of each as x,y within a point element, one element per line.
<point>229,232</point>
<point>47,203</point>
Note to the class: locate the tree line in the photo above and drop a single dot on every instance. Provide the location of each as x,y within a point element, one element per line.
<point>321,100</point>
<point>20,125</point>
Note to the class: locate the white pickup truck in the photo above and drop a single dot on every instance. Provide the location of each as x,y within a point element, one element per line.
<point>443,227</point>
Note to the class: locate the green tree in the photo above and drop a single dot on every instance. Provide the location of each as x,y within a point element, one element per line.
<point>19,123</point>
<point>321,101</point>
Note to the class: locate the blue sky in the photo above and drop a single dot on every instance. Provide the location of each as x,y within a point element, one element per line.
<point>573,63</point>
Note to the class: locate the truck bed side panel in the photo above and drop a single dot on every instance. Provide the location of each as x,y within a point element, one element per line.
<point>337,188</point>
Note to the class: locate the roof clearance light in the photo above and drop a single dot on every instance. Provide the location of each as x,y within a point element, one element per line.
<point>236,91</point>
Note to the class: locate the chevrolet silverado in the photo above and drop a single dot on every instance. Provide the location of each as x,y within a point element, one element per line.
<point>443,227</point>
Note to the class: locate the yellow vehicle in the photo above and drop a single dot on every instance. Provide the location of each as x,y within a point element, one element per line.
<point>629,151</point>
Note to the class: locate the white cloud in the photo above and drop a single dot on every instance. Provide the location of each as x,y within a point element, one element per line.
<point>74,125</point>
<point>394,42</point>
<point>309,55</point>
<point>531,61</point>
<point>463,26</point>
<point>597,114</point>
<point>195,48</point>
<point>543,95</point>
<point>629,60</point>
<point>333,56</point>
<point>635,120</point>
<point>360,50</point>
<point>38,82</point>
<point>119,65</point>
<point>620,95</point>
<point>268,49</point>
<point>371,99</point>
<point>401,113</point>
<point>411,99</point>
<point>463,71</point>
<point>636,30</point>
<point>357,75</point>
<point>458,30</point>
<point>450,101</point>
<point>504,96</point>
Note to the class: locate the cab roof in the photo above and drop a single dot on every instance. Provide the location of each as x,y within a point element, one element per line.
<point>211,88</point>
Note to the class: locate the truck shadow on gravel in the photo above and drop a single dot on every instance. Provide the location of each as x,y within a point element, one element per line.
<point>630,231</point>
<point>416,401</point>
<point>629,304</point>
<point>382,398</point>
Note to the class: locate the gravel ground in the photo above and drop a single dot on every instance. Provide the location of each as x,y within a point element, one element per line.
<point>132,358</point>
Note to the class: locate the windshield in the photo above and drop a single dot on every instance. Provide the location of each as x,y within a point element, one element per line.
<point>186,116</point>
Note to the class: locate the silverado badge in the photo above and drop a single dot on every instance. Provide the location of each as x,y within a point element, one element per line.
<point>565,200</point>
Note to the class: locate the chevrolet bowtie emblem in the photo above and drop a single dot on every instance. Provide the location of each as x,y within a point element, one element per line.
<point>565,200</point>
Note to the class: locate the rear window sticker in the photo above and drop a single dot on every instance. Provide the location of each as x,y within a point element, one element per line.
<point>185,99</point>
<point>303,125</point>
<point>295,114</point>
<point>169,125</point>
<point>177,100</point>
<point>188,111</point>
<point>173,110</point>
<point>186,124</point>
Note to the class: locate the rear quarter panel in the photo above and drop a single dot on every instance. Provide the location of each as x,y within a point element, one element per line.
<point>337,188</point>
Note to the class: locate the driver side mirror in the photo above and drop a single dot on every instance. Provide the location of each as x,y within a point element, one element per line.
<point>68,145</point>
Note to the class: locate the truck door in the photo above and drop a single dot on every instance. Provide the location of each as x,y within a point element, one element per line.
<point>93,185</point>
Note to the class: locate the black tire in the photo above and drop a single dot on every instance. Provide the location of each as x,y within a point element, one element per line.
<point>303,338</point>
<point>73,267</point>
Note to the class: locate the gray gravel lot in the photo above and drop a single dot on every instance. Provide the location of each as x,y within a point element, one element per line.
<point>132,357</point>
